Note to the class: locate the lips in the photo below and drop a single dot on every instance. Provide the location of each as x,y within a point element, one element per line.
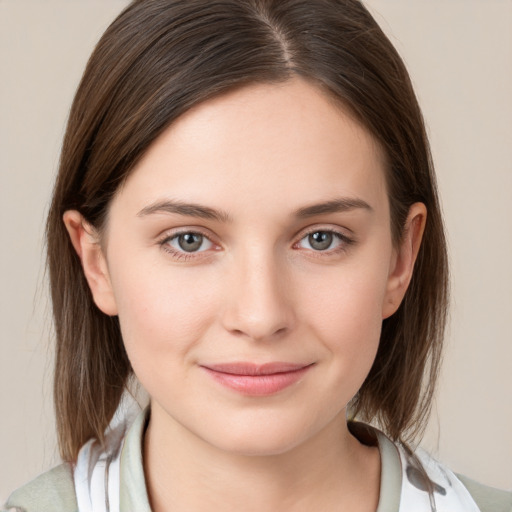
<point>257,380</point>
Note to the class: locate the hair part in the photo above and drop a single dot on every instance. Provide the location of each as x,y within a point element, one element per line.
<point>157,60</point>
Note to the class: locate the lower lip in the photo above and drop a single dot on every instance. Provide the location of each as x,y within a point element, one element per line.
<point>258,385</point>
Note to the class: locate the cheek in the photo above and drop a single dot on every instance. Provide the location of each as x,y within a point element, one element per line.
<point>348,299</point>
<point>161,311</point>
<point>344,310</point>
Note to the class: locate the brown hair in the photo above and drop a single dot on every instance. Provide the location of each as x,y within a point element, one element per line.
<point>157,60</point>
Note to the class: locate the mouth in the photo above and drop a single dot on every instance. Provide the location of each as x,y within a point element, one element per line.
<point>257,379</point>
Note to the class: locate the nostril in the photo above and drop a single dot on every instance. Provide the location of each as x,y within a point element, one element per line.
<point>281,331</point>
<point>259,335</point>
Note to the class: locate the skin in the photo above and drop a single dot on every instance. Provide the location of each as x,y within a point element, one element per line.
<point>256,290</point>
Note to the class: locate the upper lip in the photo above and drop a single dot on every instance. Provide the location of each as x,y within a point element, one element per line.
<point>252,369</point>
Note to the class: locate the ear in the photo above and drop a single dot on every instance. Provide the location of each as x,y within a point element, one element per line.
<point>402,264</point>
<point>87,245</point>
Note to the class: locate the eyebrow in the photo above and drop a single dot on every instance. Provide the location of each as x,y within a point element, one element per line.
<point>342,204</point>
<point>338,205</point>
<point>186,209</point>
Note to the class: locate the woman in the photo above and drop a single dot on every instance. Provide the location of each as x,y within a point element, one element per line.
<point>246,220</point>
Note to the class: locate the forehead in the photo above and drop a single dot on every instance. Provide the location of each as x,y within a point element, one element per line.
<point>262,142</point>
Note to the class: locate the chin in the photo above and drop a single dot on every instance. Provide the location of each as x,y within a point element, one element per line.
<point>261,444</point>
<point>261,437</point>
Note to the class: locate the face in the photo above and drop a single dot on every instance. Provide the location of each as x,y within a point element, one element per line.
<point>249,258</point>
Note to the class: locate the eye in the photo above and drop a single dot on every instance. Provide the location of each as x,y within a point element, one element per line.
<point>323,240</point>
<point>188,242</point>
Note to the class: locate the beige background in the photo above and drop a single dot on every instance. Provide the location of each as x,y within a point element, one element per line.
<point>459,53</point>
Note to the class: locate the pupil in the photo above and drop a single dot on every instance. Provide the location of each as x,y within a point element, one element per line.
<point>320,240</point>
<point>190,242</point>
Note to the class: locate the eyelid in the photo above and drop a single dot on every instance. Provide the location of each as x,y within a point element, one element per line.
<point>170,234</point>
<point>342,232</point>
<point>182,230</point>
<point>345,240</point>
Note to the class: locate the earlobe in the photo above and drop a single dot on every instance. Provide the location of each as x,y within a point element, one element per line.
<point>86,243</point>
<point>402,266</point>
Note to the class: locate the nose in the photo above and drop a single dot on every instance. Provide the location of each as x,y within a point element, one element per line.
<point>258,300</point>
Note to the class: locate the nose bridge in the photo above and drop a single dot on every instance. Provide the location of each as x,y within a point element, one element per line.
<point>259,306</point>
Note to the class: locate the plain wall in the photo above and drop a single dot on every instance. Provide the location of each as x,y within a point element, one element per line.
<point>459,53</point>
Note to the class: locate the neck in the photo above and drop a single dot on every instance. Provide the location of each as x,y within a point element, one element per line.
<point>330,471</point>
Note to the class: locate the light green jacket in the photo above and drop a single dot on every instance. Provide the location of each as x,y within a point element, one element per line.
<point>54,491</point>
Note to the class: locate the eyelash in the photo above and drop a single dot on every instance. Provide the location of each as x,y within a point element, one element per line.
<point>182,255</point>
<point>344,240</point>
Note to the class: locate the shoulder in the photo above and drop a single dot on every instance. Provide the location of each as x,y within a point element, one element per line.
<point>487,498</point>
<point>450,489</point>
<point>53,490</point>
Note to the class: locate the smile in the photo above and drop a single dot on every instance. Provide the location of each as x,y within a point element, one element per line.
<point>257,380</point>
